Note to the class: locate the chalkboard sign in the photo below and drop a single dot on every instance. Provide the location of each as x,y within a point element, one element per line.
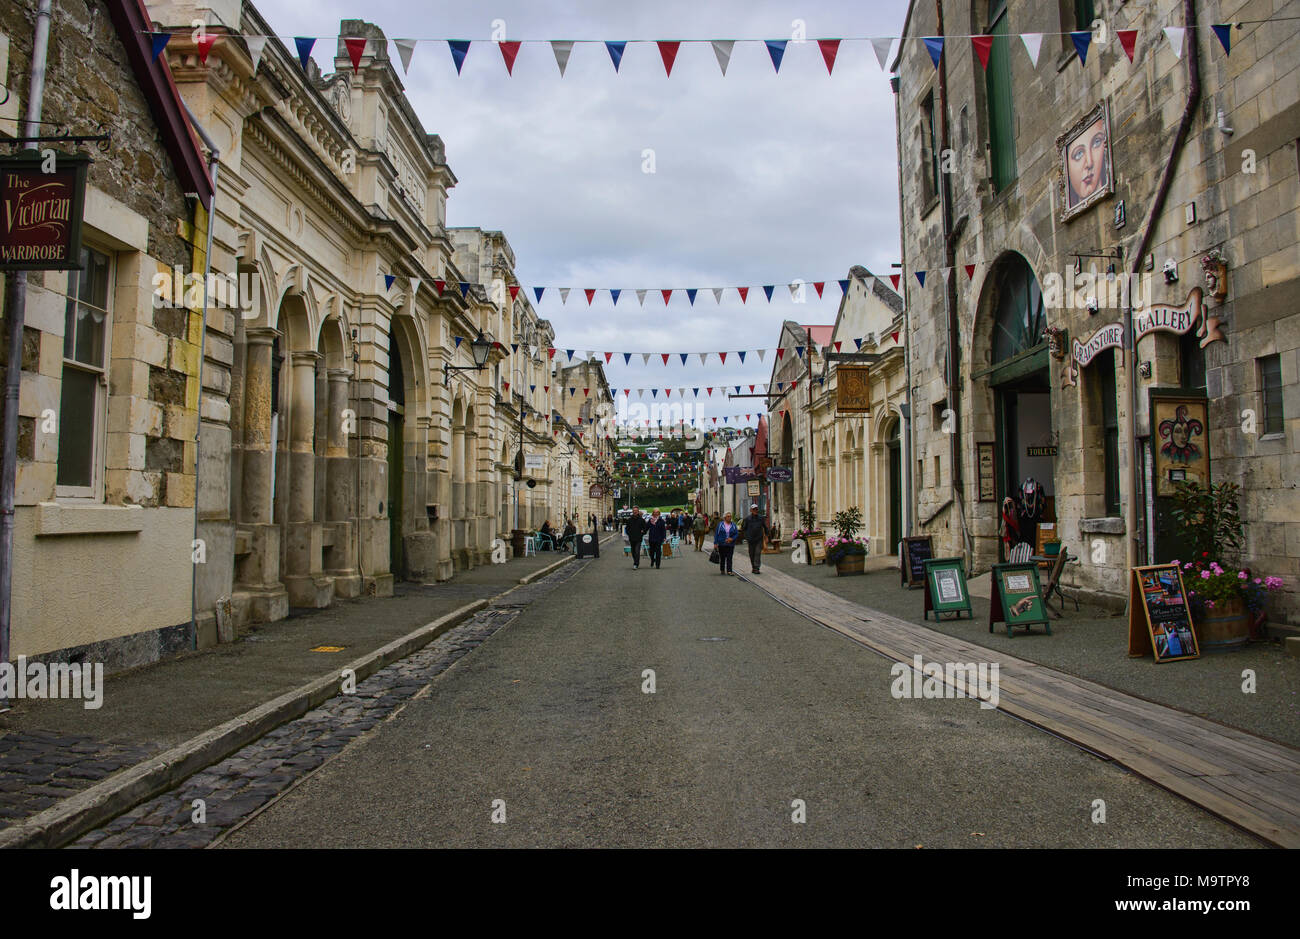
<point>916,551</point>
<point>945,588</point>
<point>1017,598</point>
<point>1158,619</point>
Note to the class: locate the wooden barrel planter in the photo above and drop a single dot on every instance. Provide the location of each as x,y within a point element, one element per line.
<point>853,564</point>
<point>1225,627</point>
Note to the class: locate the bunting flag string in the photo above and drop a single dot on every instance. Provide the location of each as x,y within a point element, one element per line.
<point>828,47</point>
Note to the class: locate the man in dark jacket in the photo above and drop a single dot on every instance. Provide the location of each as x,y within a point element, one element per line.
<point>754,531</point>
<point>657,534</point>
<point>635,529</point>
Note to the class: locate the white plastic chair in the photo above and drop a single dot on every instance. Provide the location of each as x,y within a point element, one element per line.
<point>1019,554</point>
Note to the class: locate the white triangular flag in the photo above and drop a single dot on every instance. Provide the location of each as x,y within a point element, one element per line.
<point>415,285</point>
<point>640,296</point>
<point>1175,36</point>
<point>704,357</point>
<point>564,294</point>
<point>870,283</point>
<point>882,47</point>
<point>681,392</point>
<point>405,49</point>
<point>640,392</point>
<point>722,49</point>
<point>562,49</point>
<point>761,353</point>
<point>590,354</point>
<point>794,291</point>
<point>255,46</point>
<point>1033,42</point>
<point>645,358</point>
<point>717,295</point>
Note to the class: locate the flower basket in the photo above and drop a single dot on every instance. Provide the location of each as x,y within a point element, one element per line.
<point>848,554</point>
<point>1225,626</point>
<point>851,564</point>
<point>1226,604</point>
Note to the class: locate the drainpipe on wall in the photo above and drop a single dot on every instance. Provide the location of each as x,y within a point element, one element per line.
<point>1134,547</point>
<point>214,160</point>
<point>17,311</point>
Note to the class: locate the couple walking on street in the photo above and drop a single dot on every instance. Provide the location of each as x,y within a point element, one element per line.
<point>754,530</point>
<point>654,530</point>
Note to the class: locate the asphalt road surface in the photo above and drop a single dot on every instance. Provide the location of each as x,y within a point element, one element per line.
<point>545,736</point>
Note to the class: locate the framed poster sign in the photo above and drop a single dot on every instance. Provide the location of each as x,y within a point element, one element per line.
<point>945,587</point>
<point>916,551</point>
<point>1180,440</point>
<point>817,548</point>
<point>1083,152</point>
<point>1159,621</point>
<point>987,472</point>
<point>1017,597</point>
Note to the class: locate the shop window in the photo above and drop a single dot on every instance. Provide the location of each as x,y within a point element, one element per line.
<point>1270,384</point>
<point>83,396</point>
<point>997,80</point>
<point>929,152</point>
<point>1020,323</point>
<point>1191,362</point>
<point>1104,373</point>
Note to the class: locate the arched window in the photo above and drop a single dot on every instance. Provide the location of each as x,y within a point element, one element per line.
<point>1018,318</point>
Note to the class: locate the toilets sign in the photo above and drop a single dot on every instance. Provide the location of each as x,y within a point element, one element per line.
<point>1157,318</point>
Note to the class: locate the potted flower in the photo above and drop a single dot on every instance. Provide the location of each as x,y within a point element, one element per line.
<point>1226,600</point>
<point>845,549</point>
<point>808,528</point>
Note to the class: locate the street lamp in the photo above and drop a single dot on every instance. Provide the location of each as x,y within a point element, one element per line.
<point>479,349</point>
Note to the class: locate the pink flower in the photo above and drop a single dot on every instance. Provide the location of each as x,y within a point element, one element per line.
<point>1257,580</point>
<point>1209,604</point>
<point>1241,575</point>
<point>1273,583</point>
<point>1205,575</point>
<point>1187,566</point>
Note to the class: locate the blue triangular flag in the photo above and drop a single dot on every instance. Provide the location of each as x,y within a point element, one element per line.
<point>844,286</point>
<point>158,41</point>
<point>696,393</point>
<point>570,352</point>
<point>514,347</point>
<point>780,386</point>
<point>768,290</point>
<point>654,392</point>
<point>799,351</point>
<point>532,387</point>
<point>859,342</point>
<point>388,281</point>
<point>934,45</point>
<point>1222,30</point>
<point>683,355</point>
<point>537,292</point>
<point>459,49</point>
<point>616,52</point>
<point>690,294</point>
<point>1082,39</point>
<point>741,353</point>
<point>614,293</point>
<point>572,392</point>
<point>776,49</point>
<point>457,338</point>
<point>304,44</point>
<point>920,275</point>
<point>737,389</point>
<point>464,288</point>
<point>627,357</point>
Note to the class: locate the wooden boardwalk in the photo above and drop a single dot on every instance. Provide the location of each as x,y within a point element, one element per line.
<point>1249,781</point>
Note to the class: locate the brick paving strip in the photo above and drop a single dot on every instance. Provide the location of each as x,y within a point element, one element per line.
<point>1247,780</point>
<point>75,783</point>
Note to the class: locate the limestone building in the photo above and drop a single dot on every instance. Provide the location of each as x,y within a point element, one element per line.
<point>1042,205</point>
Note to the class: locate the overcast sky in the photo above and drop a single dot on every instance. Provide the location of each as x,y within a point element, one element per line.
<point>760,178</point>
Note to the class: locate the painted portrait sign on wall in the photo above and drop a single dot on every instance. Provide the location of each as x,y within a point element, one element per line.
<point>1086,175</point>
<point>1180,439</point>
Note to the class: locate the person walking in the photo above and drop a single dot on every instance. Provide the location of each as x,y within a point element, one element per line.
<point>656,534</point>
<point>700,527</point>
<point>724,539</point>
<point>684,526</point>
<point>755,532</point>
<point>635,530</point>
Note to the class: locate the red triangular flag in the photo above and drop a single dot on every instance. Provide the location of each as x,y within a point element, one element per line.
<point>550,353</point>
<point>983,46</point>
<point>514,292</point>
<point>1127,39</point>
<point>508,52</point>
<point>590,292</point>
<point>587,391</point>
<point>710,391</point>
<point>970,271</point>
<point>751,389</point>
<point>837,347</point>
<point>668,392</point>
<point>895,335</point>
<point>205,45</point>
<point>780,353</point>
<point>608,355</point>
<point>893,278</point>
<point>546,389</point>
<point>356,49</point>
<point>665,355</point>
<point>744,294</point>
<point>829,47</point>
<point>668,52</point>
<point>667,294</point>
<point>505,385</point>
<point>819,284</point>
<point>440,284</point>
<point>723,356</point>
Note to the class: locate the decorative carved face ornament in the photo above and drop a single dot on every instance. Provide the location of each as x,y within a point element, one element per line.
<point>1216,277</point>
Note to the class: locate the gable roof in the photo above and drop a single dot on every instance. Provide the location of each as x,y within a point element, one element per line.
<point>131,21</point>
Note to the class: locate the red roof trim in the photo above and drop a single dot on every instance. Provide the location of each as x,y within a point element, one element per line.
<point>131,20</point>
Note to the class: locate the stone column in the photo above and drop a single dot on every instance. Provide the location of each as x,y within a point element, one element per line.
<point>340,484</point>
<point>305,578</point>
<point>257,427</point>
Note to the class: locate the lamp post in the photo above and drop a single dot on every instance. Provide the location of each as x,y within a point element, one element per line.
<point>480,348</point>
<point>517,535</point>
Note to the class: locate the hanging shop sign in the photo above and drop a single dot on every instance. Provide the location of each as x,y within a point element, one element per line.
<point>597,491</point>
<point>987,465</point>
<point>852,389</point>
<point>1160,317</point>
<point>1158,619</point>
<point>40,211</point>
<point>945,588</point>
<point>780,474</point>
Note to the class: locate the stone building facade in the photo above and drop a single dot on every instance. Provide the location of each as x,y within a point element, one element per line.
<point>1022,189</point>
<point>108,401</point>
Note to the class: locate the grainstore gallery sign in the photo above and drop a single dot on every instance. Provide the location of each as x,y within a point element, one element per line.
<point>42,198</point>
<point>1159,318</point>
